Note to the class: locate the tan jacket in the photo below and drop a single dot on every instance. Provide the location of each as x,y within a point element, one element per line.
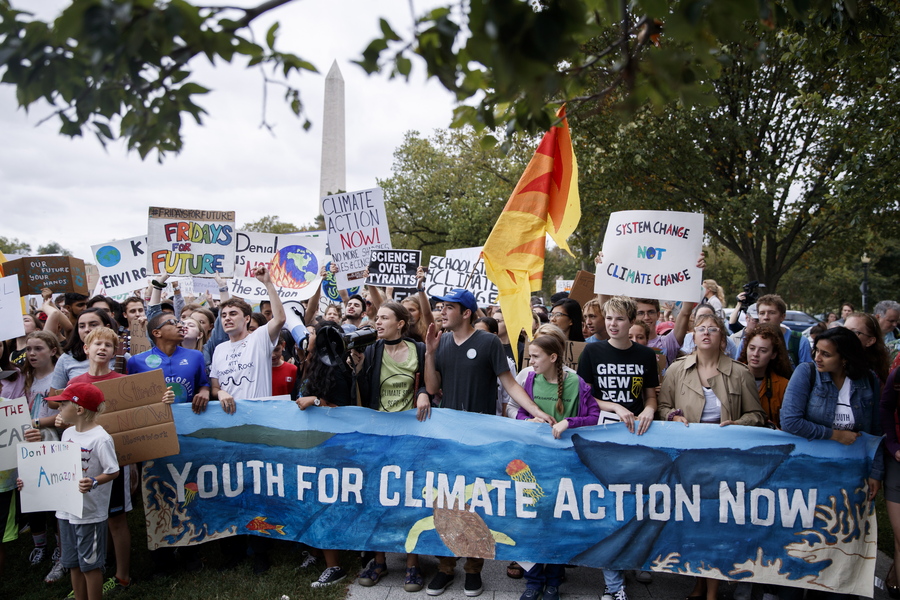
<point>733,385</point>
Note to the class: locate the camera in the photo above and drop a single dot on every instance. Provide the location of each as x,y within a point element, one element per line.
<point>751,293</point>
<point>334,345</point>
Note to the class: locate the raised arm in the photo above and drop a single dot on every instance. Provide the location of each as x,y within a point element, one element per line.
<point>312,305</point>
<point>276,324</point>
<point>424,305</point>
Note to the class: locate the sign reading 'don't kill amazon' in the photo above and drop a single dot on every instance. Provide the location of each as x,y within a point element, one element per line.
<point>183,242</point>
<point>140,424</point>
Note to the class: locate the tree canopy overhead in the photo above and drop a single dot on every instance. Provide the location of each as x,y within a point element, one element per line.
<point>124,68</point>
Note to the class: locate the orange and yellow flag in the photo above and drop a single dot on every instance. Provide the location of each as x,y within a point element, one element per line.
<point>545,201</point>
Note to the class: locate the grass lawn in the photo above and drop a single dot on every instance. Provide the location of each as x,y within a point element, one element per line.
<point>23,582</point>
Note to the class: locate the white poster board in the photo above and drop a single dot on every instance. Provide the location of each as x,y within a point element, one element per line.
<point>564,285</point>
<point>50,472</point>
<point>652,254</point>
<point>294,261</point>
<point>446,273</point>
<point>11,325</point>
<point>14,420</point>
<point>122,265</point>
<point>190,243</point>
<point>356,223</point>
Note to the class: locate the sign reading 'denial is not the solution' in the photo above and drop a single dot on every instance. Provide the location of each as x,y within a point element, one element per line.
<point>294,261</point>
<point>50,472</point>
<point>651,254</point>
<point>184,242</point>
<point>356,223</point>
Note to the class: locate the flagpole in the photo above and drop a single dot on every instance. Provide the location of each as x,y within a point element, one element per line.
<point>472,273</point>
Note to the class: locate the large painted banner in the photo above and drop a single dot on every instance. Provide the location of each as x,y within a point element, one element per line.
<point>186,242</point>
<point>733,502</point>
<point>652,254</point>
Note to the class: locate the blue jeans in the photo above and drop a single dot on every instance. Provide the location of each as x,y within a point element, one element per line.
<point>540,575</point>
<point>615,580</point>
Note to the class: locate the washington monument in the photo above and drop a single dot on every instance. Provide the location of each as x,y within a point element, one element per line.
<point>333,174</point>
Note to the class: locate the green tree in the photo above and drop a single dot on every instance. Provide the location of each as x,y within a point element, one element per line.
<point>14,246</point>
<point>447,190</point>
<point>274,224</point>
<point>123,68</point>
<point>797,150</point>
<point>53,248</point>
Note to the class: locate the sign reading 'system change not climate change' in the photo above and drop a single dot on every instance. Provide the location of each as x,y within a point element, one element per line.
<point>191,242</point>
<point>651,254</point>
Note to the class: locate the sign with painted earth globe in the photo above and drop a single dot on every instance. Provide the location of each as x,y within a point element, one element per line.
<point>294,267</point>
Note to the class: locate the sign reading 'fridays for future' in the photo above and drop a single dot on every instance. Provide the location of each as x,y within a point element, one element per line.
<point>651,254</point>
<point>185,242</point>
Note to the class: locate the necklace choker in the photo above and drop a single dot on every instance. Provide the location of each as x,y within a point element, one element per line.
<point>392,342</point>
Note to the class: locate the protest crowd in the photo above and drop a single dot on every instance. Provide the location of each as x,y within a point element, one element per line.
<point>640,361</point>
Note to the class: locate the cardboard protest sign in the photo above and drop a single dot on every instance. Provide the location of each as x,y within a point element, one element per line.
<point>138,339</point>
<point>652,254</point>
<point>59,273</point>
<point>122,265</point>
<point>446,273</point>
<point>50,472</point>
<point>356,223</point>
<point>294,261</point>
<point>571,355</point>
<point>582,287</point>
<point>599,496</point>
<point>14,420</point>
<point>140,424</point>
<point>185,242</point>
<point>11,325</point>
<point>564,285</point>
<point>394,268</point>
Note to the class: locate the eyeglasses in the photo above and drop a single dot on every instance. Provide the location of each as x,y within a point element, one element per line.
<point>175,322</point>
<point>557,315</point>
<point>861,333</point>
<point>706,330</point>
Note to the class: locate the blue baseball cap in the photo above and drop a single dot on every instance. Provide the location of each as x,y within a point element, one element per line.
<point>462,297</point>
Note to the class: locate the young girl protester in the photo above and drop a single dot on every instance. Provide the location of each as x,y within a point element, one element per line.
<point>566,397</point>
<point>766,356</point>
<point>41,353</point>
<point>392,379</point>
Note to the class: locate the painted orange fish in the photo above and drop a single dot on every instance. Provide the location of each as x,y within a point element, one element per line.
<point>260,524</point>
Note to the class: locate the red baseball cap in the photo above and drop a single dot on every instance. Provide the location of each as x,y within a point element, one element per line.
<point>83,394</point>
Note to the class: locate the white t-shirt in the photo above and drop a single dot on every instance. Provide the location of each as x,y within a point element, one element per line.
<point>98,456</point>
<point>843,414</point>
<point>712,407</point>
<point>244,368</point>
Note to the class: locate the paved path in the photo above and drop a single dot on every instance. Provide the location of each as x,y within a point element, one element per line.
<point>582,584</point>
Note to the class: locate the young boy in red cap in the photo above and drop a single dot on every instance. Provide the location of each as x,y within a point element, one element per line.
<point>83,539</point>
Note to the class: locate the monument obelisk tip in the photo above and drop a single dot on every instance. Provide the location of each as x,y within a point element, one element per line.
<point>333,174</point>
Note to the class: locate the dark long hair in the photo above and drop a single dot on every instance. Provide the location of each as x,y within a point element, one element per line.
<point>573,309</point>
<point>75,345</point>
<point>318,378</point>
<point>850,349</point>
<point>877,354</point>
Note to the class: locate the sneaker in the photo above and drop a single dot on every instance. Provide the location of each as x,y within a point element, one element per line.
<point>473,585</point>
<point>118,587</point>
<point>56,555</point>
<point>37,555</point>
<point>439,583</point>
<point>607,594</point>
<point>743,590</point>
<point>329,576</point>
<point>109,585</point>
<point>530,594</point>
<point>372,573</point>
<point>414,581</point>
<point>643,577</point>
<point>620,595</point>
<point>56,573</point>
<point>308,560</point>
<point>551,593</point>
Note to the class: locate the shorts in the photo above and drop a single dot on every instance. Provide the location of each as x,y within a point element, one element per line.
<point>8,515</point>
<point>83,545</point>
<point>891,479</point>
<point>120,495</point>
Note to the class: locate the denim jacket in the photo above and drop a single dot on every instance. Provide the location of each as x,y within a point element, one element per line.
<point>809,412</point>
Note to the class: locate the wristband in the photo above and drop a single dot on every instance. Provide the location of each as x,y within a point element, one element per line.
<point>675,413</point>
<point>94,485</point>
<point>158,285</point>
<point>223,288</point>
